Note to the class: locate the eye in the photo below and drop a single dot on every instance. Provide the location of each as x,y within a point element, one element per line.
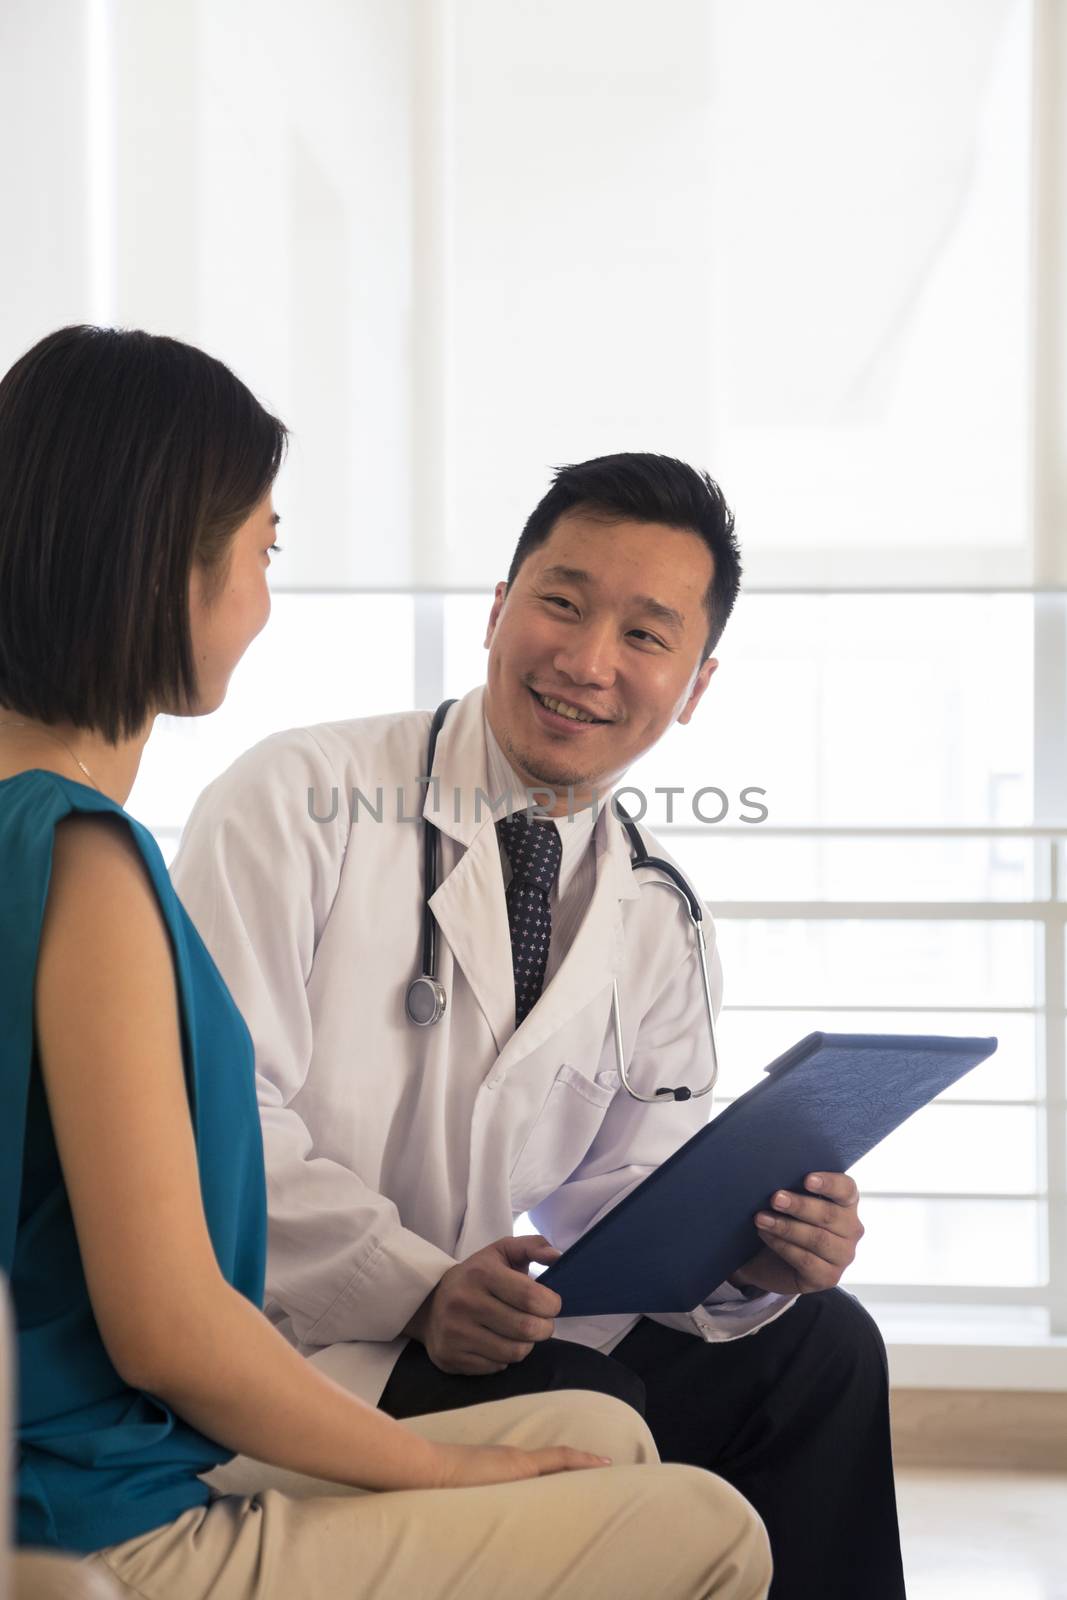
<point>275,549</point>
<point>643,633</point>
<point>560,600</point>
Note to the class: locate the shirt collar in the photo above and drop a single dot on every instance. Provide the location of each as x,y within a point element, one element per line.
<point>575,832</point>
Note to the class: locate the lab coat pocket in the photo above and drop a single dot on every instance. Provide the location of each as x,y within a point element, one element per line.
<point>566,1126</point>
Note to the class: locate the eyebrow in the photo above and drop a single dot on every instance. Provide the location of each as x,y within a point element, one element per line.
<point>275,519</point>
<point>654,608</point>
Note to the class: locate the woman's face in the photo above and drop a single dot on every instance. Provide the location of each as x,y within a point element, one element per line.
<point>226,613</point>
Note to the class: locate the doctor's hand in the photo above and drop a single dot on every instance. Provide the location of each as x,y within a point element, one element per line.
<point>487,1312</point>
<point>808,1239</point>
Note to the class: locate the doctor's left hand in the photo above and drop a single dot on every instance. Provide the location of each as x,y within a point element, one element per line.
<point>808,1239</point>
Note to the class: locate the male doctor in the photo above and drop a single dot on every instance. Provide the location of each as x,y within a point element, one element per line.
<point>398,1157</point>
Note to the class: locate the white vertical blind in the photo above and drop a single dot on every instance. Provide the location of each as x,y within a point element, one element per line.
<point>584,245</point>
<point>456,242</point>
<point>223,172</point>
<point>44,198</point>
<point>1049,316</point>
<point>265,213</point>
<point>791,242</point>
<point>875,202</point>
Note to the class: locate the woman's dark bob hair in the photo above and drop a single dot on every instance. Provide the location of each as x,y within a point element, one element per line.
<point>124,458</point>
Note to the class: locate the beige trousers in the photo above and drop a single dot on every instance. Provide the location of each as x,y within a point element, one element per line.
<point>636,1530</point>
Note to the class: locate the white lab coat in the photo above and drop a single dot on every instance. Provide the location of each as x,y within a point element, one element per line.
<point>393,1151</point>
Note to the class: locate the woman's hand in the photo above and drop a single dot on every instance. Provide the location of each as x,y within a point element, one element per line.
<point>466,1466</point>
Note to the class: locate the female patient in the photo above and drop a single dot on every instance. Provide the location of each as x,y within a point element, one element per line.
<point>136,529</point>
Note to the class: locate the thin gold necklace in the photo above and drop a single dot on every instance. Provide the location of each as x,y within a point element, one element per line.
<point>50,735</point>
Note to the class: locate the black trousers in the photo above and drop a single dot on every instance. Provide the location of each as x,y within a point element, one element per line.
<point>795,1416</point>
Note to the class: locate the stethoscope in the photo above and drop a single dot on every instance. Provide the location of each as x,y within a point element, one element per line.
<point>425,999</point>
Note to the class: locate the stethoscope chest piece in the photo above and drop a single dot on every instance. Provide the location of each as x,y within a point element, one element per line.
<point>425,998</point>
<point>425,1001</point>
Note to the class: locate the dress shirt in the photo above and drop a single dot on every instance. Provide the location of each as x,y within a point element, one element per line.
<point>569,897</point>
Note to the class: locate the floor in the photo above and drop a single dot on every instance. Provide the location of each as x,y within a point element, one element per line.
<point>977,1535</point>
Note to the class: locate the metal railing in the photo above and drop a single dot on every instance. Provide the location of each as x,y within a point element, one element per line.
<point>1047,912</point>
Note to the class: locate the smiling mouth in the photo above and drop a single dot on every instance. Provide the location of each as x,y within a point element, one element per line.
<point>562,709</point>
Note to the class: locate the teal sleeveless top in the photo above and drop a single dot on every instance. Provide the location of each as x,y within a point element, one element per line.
<point>99,1462</point>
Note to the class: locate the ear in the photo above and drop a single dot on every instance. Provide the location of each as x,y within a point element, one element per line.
<point>499,596</point>
<point>700,683</point>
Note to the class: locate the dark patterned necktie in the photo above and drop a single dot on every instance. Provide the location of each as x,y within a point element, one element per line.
<point>534,850</point>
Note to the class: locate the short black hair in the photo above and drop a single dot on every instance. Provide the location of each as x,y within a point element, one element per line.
<point>125,458</point>
<point>647,488</point>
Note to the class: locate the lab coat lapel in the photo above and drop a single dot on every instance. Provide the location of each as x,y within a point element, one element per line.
<point>471,911</point>
<point>472,915</point>
<point>595,954</point>
<point>469,902</point>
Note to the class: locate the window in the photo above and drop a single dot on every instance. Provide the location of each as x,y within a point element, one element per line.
<point>897,885</point>
<point>321,658</point>
<point>816,248</point>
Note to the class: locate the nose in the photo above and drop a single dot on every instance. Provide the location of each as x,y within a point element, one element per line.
<point>588,655</point>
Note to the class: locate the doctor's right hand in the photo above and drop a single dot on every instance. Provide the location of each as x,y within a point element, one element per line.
<point>486,1313</point>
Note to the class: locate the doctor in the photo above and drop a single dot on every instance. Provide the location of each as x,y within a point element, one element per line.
<point>398,1157</point>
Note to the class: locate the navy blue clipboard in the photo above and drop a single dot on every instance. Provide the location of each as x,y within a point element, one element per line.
<point>822,1105</point>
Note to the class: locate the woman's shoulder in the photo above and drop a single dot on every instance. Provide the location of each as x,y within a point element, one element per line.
<point>36,799</point>
<point>59,839</point>
<point>35,803</point>
<point>98,847</point>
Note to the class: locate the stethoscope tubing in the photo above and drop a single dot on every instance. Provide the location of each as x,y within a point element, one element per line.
<point>425,1000</point>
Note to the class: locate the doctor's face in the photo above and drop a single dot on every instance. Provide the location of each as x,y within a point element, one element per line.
<point>595,650</point>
